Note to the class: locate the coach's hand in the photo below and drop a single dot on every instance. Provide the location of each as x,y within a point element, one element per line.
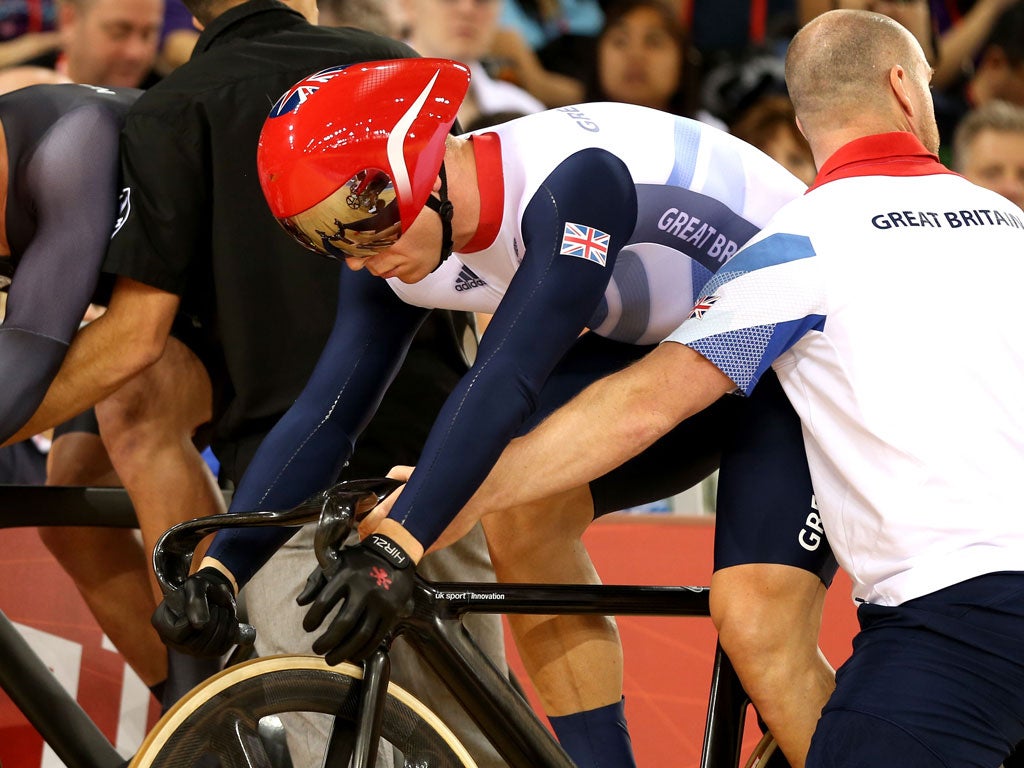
<point>199,618</point>
<point>375,580</point>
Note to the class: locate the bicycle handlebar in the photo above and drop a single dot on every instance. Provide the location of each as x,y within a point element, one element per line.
<point>336,510</point>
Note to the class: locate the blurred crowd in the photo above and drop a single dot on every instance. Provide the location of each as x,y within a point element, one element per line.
<point>719,61</point>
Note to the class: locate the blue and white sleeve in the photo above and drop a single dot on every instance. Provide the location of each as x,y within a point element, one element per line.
<point>756,307</point>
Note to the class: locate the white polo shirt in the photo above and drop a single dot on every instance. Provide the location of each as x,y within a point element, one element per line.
<point>888,300</point>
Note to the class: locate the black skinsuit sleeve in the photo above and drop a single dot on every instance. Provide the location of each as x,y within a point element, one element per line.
<point>71,182</point>
<point>306,450</point>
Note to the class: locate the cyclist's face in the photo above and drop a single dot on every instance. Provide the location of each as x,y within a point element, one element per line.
<point>412,257</point>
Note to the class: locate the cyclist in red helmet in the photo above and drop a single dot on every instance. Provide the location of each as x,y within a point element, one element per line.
<point>557,223</point>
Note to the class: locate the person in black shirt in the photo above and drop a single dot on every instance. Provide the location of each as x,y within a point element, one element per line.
<point>199,250</point>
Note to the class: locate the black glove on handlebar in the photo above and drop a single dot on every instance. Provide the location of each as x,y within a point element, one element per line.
<point>199,618</point>
<point>375,579</point>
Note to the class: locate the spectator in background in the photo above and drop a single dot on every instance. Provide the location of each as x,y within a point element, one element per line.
<point>951,32</point>
<point>107,42</point>
<point>178,38</point>
<point>989,149</point>
<point>488,121</point>
<point>998,75</point>
<point>28,28</point>
<point>742,44</point>
<point>727,29</point>
<point>545,46</point>
<point>963,27</point>
<point>644,57</point>
<point>13,78</point>
<point>384,17</point>
<point>558,30</point>
<point>463,30</point>
<point>733,86</point>
<point>542,22</point>
<point>991,30</point>
<point>914,15</point>
<point>770,125</point>
<point>24,17</point>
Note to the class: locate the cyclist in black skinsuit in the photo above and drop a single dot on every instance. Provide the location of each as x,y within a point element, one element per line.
<point>59,196</point>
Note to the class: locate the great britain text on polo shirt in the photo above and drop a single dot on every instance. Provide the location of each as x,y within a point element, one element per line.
<point>978,217</point>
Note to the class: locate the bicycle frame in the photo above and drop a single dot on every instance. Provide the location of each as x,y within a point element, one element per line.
<point>437,634</point>
<point>435,631</point>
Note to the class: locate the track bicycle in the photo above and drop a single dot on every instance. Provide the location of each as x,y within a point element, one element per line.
<point>219,722</point>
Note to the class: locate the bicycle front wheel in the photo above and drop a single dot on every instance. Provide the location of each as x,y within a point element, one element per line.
<point>222,722</point>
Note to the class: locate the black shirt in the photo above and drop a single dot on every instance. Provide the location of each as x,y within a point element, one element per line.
<point>257,303</point>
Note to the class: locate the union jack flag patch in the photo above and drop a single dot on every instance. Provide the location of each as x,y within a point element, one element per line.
<point>704,303</point>
<point>585,243</point>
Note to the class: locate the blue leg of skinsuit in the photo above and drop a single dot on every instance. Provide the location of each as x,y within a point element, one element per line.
<point>597,738</point>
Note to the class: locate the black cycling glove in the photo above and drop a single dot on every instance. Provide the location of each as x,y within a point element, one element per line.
<point>375,580</point>
<point>199,618</point>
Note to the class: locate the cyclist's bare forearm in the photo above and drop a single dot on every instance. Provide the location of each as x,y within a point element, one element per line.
<point>608,423</point>
<point>126,339</point>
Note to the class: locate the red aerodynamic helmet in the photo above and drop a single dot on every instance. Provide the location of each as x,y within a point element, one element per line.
<point>348,156</point>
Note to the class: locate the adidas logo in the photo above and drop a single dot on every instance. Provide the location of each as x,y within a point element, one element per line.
<point>467,279</point>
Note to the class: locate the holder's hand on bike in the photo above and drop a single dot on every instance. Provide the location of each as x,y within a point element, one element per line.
<point>375,581</point>
<point>199,618</point>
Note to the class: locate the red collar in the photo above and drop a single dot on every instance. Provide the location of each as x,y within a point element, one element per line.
<point>884,154</point>
<point>490,181</point>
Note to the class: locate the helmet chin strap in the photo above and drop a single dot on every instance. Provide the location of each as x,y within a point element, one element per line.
<point>444,208</point>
